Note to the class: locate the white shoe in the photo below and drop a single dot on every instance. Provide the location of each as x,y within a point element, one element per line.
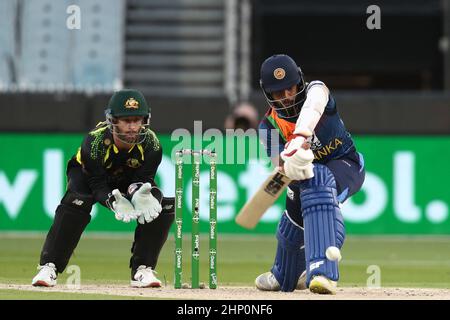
<point>267,282</point>
<point>46,276</point>
<point>145,278</point>
<point>301,284</point>
<point>322,285</point>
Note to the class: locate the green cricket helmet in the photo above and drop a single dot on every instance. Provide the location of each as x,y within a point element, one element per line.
<point>128,103</point>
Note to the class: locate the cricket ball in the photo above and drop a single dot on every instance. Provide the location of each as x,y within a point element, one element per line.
<point>333,254</point>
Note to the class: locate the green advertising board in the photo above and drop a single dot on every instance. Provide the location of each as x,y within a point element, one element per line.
<point>405,192</point>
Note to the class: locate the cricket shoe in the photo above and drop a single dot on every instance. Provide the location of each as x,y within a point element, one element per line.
<point>267,282</point>
<point>145,278</point>
<point>46,276</point>
<point>322,285</point>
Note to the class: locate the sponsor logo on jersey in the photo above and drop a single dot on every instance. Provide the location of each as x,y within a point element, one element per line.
<point>327,149</point>
<point>314,142</point>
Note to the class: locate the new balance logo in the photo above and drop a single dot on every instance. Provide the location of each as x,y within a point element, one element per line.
<point>315,265</point>
<point>78,202</point>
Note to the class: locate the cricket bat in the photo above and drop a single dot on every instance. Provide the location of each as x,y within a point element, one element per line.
<point>262,200</point>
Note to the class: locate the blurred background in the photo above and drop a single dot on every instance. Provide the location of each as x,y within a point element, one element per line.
<point>60,61</point>
<point>198,59</point>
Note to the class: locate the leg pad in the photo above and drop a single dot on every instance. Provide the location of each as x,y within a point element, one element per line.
<point>290,256</point>
<point>324,225</point>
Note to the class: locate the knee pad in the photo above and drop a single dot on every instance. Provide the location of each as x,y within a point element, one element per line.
<point>323,221</point>
<point>290,256</point>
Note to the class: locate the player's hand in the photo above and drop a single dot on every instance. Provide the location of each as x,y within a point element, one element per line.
<point>123,209</point>
<point>298,158</point>
<point>146,205</point>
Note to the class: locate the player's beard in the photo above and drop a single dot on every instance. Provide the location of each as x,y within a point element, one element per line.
<point>288,107</point>
<point>288,102</point>
<point>130,136</point>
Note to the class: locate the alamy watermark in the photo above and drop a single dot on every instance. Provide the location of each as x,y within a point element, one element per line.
<point>74,280</point>
<point>374,280</point>
<point>231,146</point>
<point>73,21</point>
<point>373,22</point>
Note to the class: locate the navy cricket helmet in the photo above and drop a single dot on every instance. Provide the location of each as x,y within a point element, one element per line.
<point>278,73</point>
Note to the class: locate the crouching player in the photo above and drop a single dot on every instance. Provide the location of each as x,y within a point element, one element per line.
<point>115,166</point>
<point>325,175</point>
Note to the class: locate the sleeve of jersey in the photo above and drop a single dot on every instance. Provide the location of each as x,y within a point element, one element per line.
<point>147,172</point>
<point>317,98</point>
<point>96,174</point>
<point>270,138</point>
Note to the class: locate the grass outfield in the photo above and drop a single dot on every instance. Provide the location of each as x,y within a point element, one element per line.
<point>416,262</point>
<point>6,294</point>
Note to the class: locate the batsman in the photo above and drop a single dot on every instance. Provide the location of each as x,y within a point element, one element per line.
<point>116,167</point>
<point>305,136</point>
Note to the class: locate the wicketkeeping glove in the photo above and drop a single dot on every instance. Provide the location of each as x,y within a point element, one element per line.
<point>123,209</point>
<point>146,205</point>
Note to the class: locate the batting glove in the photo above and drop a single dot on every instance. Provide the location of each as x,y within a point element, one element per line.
<point>298,159</point>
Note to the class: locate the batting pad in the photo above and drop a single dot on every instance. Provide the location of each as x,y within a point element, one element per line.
<point>324,225</point>
<point>290,257</point>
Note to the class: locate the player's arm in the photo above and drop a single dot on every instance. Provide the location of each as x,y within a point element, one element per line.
<point>296,155</point>
<point>97,181</point>
<point>96,174</point>
<point>316,100</point>
<point>147,172</point>
<point>143,192</point>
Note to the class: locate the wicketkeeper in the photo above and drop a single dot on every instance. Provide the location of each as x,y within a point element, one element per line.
<point>115,166</point>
